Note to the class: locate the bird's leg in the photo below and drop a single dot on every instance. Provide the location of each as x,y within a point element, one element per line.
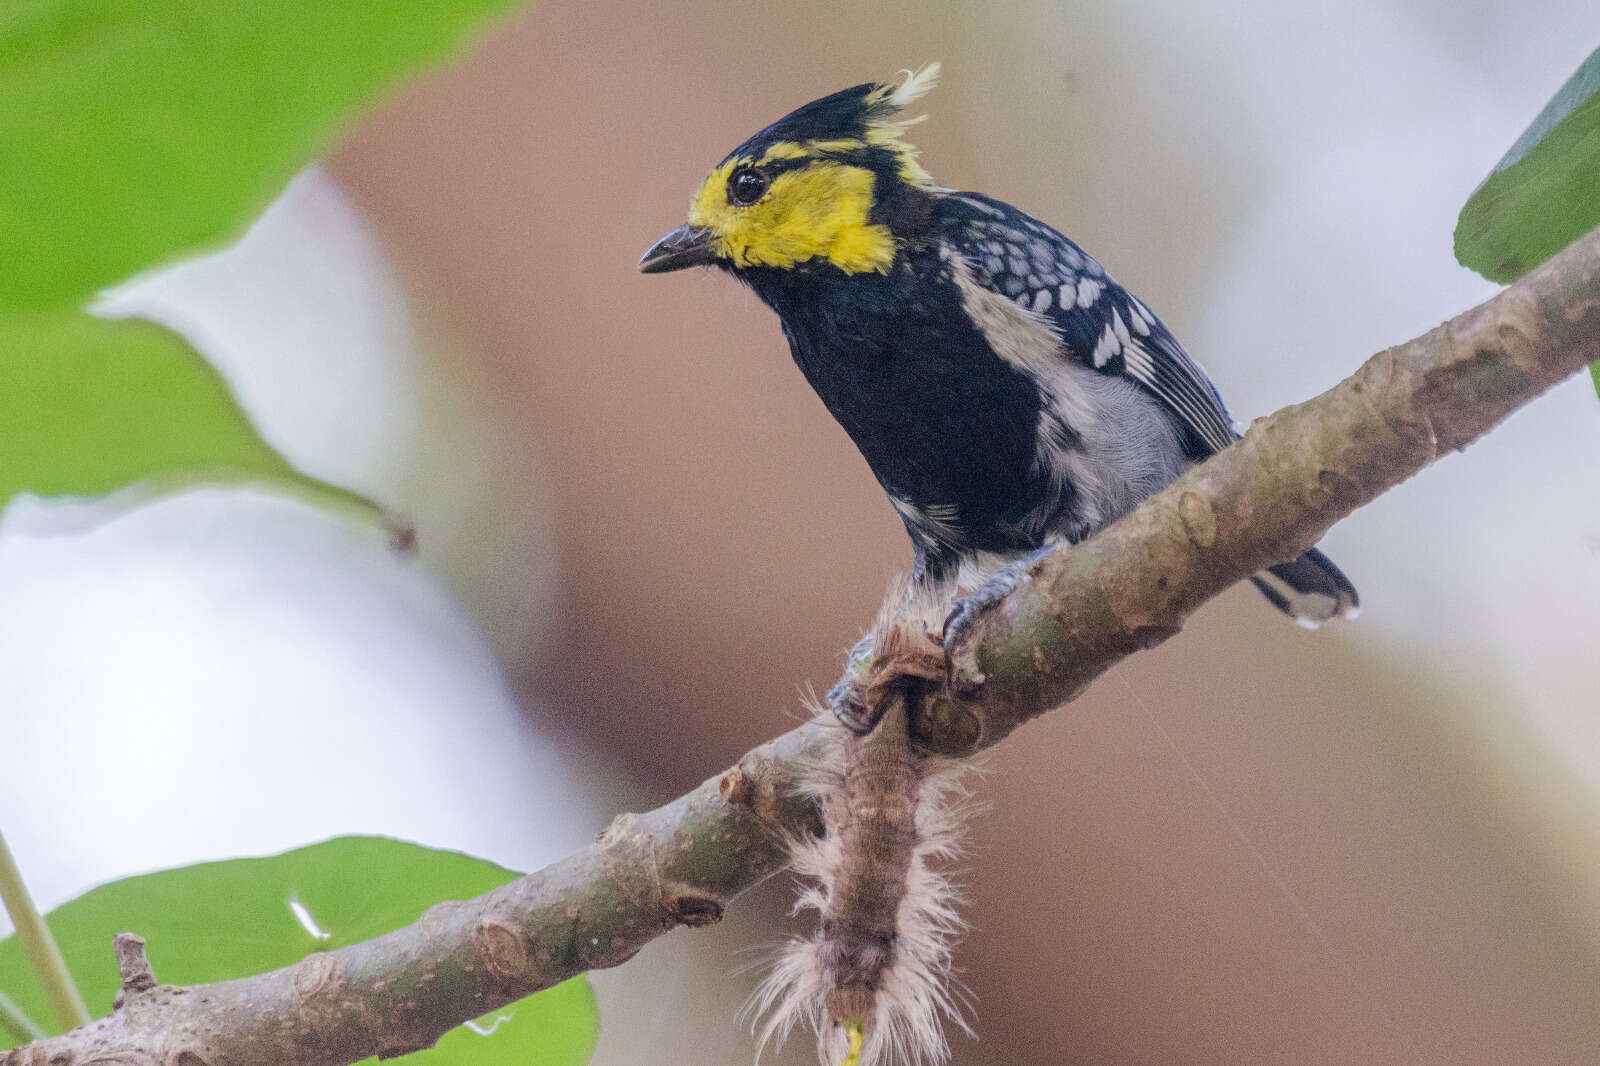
<point>999,585</point>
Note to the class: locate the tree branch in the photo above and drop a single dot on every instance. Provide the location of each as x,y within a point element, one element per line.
<point>1267,499</point>
<point>1262,501</point>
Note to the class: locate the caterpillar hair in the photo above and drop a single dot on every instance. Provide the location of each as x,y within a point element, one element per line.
<point>874,981</point>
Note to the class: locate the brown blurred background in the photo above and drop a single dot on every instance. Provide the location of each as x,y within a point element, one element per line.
<point>1250,845</point>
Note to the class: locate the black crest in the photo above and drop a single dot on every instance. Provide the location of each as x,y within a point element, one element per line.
<point>863,112</point>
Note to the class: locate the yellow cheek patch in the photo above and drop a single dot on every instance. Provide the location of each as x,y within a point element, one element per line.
<point>816,212</point>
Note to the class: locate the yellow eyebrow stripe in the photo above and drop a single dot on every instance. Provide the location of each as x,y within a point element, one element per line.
<point>808,150</point>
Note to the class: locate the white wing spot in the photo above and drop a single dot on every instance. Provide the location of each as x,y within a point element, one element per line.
<point>1106,347</point>
<point>1141,316</point>
<point>1041,300</point>
<point>1088,292</point>
<point>1118,325</point>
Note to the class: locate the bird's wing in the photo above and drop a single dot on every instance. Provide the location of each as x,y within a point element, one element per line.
<point>1102,324</point>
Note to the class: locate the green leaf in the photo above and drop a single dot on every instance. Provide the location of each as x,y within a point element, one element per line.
<point>134,130</point>
<point>88,406</point>
<point>1545,193</point>
<point>221,920</point>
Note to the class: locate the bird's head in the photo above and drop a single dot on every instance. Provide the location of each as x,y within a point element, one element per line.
<point>810,190</point>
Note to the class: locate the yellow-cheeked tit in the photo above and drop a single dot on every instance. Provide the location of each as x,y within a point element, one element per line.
<point>1008,394</point>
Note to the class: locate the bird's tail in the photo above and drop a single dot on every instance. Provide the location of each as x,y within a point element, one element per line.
<point>1311,590</point>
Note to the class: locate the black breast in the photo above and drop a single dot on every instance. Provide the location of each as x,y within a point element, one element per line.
<point>943,422</point>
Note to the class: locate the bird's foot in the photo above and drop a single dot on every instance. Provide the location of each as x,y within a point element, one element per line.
<point>1000,584</point>
<point>847,699</point>
<point>901,653</point>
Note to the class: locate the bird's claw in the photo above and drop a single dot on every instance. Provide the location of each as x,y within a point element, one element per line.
<point>849,705</point>
<point>847,699</point>
<point>896,655</point>
<point>1000,584</point>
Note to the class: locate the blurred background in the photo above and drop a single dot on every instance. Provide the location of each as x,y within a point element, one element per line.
<point>641,536</point>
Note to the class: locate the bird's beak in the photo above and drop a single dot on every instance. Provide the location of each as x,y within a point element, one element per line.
<point>686,246</point>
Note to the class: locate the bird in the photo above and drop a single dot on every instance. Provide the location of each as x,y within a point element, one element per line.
<point>1007,393</point>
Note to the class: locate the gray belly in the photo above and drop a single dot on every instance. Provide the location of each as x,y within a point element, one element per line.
<point>1123,447</point>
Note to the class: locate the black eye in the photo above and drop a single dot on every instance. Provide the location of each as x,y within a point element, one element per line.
<point>746,186</point>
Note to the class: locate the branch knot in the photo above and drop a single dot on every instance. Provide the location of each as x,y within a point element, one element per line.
<point>132,965</point>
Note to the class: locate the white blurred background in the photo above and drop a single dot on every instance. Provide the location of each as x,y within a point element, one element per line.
<point>640,533</point>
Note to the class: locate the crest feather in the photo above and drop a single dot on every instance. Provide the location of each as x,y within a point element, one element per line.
<point>880,109</point>
<point>891,97</point>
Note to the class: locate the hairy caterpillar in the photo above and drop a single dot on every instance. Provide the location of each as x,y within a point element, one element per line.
<point>874,981</point>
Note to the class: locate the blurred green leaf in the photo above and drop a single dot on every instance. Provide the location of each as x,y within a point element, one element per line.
<point>88,406</point>
<point>135,130</point>
<point>1545,193</point>
<point>221,920</point>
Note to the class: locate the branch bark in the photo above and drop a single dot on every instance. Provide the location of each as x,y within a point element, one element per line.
<point>1268,498</point>
<point>1132,586</point>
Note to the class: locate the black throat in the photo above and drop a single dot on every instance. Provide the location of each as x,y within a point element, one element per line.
<point>947,426</point>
